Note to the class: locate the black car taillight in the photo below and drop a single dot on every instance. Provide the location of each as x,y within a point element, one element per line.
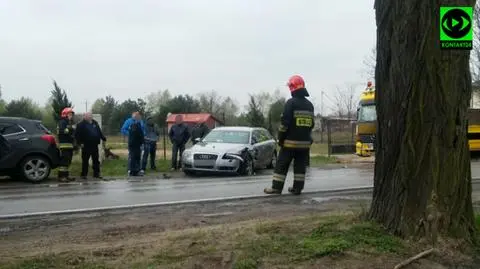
<point>49,138</point>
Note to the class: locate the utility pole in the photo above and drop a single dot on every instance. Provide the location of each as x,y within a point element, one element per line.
<point>86,106</point>
<point>321,119</point>
<point>321,104</point>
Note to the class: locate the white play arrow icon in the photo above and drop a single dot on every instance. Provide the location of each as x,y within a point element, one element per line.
<point>454,22</point>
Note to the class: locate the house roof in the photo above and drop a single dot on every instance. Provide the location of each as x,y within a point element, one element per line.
<point>192,117</point>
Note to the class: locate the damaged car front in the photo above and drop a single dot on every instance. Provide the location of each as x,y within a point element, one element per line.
<point>222,151</point>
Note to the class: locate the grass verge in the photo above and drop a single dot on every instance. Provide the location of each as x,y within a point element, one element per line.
<point>301,242</point>
<point>114,167</point>
<point>119,167</point>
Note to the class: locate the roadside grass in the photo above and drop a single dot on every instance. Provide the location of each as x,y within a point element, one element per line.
<point>119,167</point>
<point>302,242</point>
<point>119,142</point>
<point>113,167</point>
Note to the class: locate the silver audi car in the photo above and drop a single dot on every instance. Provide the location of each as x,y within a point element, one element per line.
<point>239,150</point>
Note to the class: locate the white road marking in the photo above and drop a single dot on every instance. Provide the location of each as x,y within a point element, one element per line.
<point>134,206</point>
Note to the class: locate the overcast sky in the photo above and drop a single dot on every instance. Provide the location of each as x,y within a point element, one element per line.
<point>130,48</point>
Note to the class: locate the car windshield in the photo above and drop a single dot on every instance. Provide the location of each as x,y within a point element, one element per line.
<point>224,136</point>
<point>367,113</point>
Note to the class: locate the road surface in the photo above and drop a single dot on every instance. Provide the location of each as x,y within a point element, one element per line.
<point>36,200</point>
<point>122,193</point>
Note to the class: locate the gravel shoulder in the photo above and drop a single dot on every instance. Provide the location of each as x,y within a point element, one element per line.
<point>244,234</point>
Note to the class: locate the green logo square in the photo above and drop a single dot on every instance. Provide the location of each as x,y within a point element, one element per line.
<point>456,27</point>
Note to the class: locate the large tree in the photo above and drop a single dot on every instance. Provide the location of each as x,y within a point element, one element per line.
<point>475,55</point>
<point>422,184</point>
<point>106,107</point>
<point>123,112</point>
<point>178,104</point>
<point>59,101</point>
<point>2,102</point>
<point>23,107</point>
<point>255,115</point>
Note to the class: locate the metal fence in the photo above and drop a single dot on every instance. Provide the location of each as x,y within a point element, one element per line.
<point>340,135</point>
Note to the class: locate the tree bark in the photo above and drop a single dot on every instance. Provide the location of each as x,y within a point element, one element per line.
<point>422,184</point>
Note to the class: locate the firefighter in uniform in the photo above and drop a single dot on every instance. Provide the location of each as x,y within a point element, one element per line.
<point>66,141</point>
<point>294,138</point>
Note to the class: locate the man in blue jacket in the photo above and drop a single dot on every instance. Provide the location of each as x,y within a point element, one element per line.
<point>135,141</point>
<point>179,135</point>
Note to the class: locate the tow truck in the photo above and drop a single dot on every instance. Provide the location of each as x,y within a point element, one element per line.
<point>367,124</point>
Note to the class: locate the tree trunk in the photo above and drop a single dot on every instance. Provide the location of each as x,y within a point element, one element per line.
<point>422,184</point>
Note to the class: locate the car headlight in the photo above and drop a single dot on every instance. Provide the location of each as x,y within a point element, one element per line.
<point>232,156</point>
<point>187,154</point>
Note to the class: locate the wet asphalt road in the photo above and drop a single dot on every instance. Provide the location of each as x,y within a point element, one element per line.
<point>124,193</point>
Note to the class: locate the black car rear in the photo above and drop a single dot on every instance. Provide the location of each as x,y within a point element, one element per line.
<point>28,150</point>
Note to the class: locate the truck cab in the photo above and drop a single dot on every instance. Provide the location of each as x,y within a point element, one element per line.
<point>366,123</point>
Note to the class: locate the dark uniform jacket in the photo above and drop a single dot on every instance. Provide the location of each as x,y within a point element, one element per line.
<point>89,134</point>
<point>66,134</point>
<point>297,122</point>
<point>179,134</point>
<point>136,135</point>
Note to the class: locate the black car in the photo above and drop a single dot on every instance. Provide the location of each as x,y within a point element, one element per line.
<point>27,149</point>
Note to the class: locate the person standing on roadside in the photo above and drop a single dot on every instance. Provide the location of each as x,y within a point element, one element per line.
<point>152,134</point>
<point>294,138</point>
<point>199,131</point>
<point>89,135</point>
<point>134,128</point>
<point>66,143</point>
<point>179,136</point>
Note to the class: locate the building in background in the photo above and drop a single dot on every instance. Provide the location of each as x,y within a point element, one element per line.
<point>191,119</point>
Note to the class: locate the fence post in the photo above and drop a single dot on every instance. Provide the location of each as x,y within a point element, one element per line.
<point>353,132</point>
<point>164,144</point>
<point>322,129</point>
<point>329,138</point>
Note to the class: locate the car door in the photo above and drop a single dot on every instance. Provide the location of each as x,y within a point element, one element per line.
<point>262,148</point>
<point>18,141</point>
<point>270,145</point>
<point>257,147</point>
<point>5,149</point>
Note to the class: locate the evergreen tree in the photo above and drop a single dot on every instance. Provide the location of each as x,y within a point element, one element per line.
<point>59,101</point>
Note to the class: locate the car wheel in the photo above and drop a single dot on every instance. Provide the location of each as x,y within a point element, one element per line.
<point>35,168</point>
<point>273,161</point>
<point>248,167</point>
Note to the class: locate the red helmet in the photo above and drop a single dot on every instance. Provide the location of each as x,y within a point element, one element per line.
<point>369,84</point>
<point>67,111</point>
<point>295,82</point>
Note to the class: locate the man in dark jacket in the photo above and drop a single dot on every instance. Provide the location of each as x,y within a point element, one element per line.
<point>294,138</point>
<point>136,138</point>
<point>89,134</point>
<point>199,131</point>
<point>152,134</point>
<point>179,136</point>
<point>66,143</point>
<point>134,142</point>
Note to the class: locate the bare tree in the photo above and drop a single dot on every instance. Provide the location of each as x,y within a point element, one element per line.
<point>370,62</point>
<point>157,99</point>
<point>346,99</point>
<point>210,102</point>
